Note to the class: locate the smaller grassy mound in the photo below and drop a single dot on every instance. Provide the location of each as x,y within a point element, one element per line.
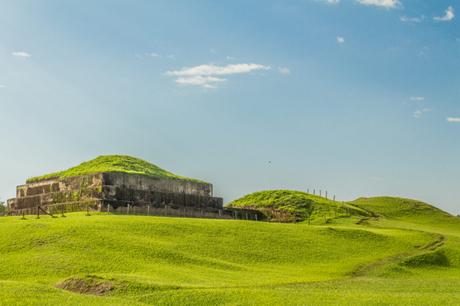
<point>113,163</point>
<point>437,258</point>
<point>290,205</point>
<point>397,207</point>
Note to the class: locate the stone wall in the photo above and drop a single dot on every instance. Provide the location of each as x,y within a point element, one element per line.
<point>145,183</point>
<point>117,189</point>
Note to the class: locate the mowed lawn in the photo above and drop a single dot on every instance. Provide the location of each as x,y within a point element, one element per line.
<point>155,260</point>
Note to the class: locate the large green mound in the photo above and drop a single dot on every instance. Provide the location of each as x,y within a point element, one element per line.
<point>295,205</point>
<point>113,163</point>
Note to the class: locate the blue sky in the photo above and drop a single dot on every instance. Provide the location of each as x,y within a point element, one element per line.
<point>357,97</point>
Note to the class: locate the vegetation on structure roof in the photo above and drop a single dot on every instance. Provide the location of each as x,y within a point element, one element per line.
<point>113,163</point>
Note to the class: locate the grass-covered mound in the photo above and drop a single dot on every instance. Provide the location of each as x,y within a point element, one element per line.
<point>112,163</point>
<point>394,207</point>
<point>291,205</point>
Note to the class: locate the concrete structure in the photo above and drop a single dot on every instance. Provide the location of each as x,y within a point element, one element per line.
<point>117,189</point>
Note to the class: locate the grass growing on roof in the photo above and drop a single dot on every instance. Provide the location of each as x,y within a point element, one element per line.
<point>113,163</point>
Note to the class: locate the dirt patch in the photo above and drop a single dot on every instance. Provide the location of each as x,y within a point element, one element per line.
<point>87,285</point>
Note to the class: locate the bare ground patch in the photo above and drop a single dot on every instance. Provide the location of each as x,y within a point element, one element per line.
<point>87,285</point>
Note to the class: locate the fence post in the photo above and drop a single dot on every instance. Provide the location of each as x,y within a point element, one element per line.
<point>87,209</point>
<point>127,212</point>
<point>148,209</point>
<point>62,210</point>
<point>38,212</point>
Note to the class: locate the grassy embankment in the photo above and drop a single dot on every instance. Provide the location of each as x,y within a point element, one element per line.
<point>407,254</point>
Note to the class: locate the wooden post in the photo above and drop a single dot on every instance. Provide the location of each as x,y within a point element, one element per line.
<point>23,217</point>
<point>148,209</point>
<point>38,212</point>
<point>127,211</point>
<point>87,209</point>
<point>62,210</point>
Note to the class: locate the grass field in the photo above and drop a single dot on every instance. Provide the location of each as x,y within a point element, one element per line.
<point>407,253</point>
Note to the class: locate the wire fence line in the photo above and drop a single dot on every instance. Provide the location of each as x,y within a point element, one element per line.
<point>165,210</point>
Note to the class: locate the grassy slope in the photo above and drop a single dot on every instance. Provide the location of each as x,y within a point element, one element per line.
<point>192,261</point>
<point>296,202</point>
<point>113,163</point>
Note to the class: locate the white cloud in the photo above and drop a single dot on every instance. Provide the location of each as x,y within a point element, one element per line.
<point>331,1</point>
<point>381,3</point>
<point>340,39</point>
<point>21,54</point>
<point>2,86</point>
<point>204,81</point>
<point>453,119</point>
<point>412,19</point>
<point>230,58</point>
<point>417,98</point>
<point>217,70</point>
<point>207,76</point>
<point>153,54</point>
<point>420,112</point>
<point>448,16</point>
<point>284,70</point>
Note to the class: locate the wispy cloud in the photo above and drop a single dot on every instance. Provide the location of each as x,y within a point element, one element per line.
<point>21,54</point>
<point>420,112</point>
<point>2,86</point>
<point>208,76</point>
<point>381,3</point>
<point>417,98</point>
<point>453,119</point>
<point>198,80</point>
<point>154,55</point>
<point>284,70</point>
<point>449,15</point>
<point>330,1</point>
<point>340,39</point>
<point>408,19</point>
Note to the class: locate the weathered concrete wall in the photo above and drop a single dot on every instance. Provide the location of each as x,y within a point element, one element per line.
<point>142,182</point>
<point>58,191</point>
<point>118,189</point>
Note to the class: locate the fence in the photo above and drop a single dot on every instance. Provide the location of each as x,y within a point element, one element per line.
<point>129,209</point>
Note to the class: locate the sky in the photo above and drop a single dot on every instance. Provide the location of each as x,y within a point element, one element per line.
<point>356,97</point>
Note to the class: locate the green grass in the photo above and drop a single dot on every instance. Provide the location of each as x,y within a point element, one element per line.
<point>299,205</point>
<point>405,256</point>
<point>113,163</point>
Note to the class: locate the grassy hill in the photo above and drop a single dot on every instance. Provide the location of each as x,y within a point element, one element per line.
<point>397,258</point>
<point>296,205</point>
<point>112,163</point>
